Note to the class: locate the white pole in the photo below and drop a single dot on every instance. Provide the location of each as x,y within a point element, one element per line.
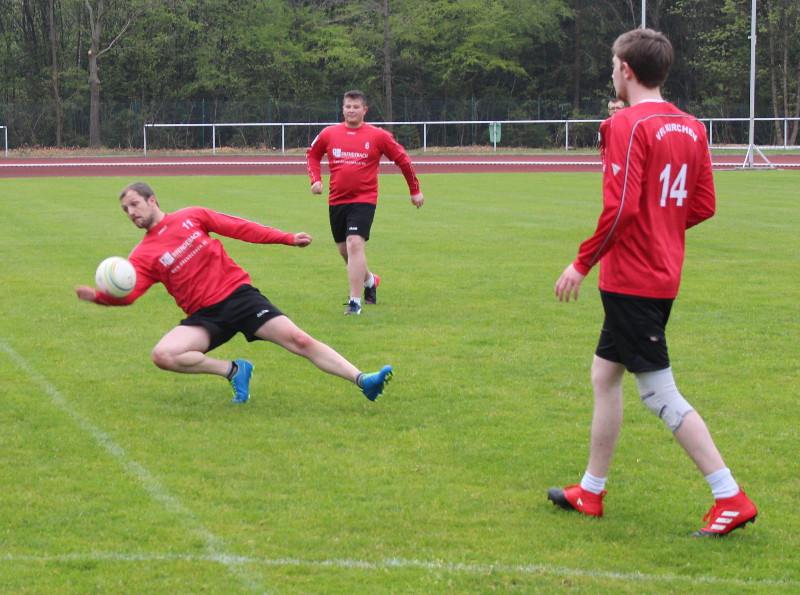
<point>644,13</point>
<point>751,135</point>
<point>751,149</point>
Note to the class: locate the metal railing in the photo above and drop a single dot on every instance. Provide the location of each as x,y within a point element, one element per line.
<point>548,133</point>
<point>426,126</point>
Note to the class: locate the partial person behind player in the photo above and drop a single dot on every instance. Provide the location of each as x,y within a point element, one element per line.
<point>658,183</point>
<point>354,150</point>
<point>614,105</point>
<point>215,293</point>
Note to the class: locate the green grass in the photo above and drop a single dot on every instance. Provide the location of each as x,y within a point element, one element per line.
<point>118,477</point>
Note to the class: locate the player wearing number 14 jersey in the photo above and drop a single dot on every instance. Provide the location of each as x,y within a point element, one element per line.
<point>657,183</point>
<point>655,154</point>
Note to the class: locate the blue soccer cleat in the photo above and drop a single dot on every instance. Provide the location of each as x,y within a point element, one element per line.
<point>372,385</point>
<point>240,383</point>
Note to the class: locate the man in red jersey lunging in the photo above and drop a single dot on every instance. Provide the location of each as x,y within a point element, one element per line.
<point>354,150</point>
<point>657,183</point>
<point>215,293</point>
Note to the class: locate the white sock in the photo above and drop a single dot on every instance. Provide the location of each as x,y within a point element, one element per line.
<point>593,484</point>
<point>722,484</point>
<point>370,282</point>
<point>357,300</point>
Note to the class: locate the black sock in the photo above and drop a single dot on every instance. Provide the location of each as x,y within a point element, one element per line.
<point>358,379</point>
<point>233,370</point>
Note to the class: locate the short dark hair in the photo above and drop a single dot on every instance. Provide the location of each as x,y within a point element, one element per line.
<point>140,188</point>
<point>649,54</point>
<point>356,94</point>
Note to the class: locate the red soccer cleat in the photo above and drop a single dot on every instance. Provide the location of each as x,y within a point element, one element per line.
<point>728,514</point>
<point>371,293</point>
<point>576,498</point>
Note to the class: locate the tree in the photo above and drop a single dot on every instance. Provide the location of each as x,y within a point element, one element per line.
<point>93,16</point>
<point>283,52</point>
<point>54,72</point>
<point>467,48</point>
<point>388,71</point>
<point>782,27</point>
<point>353,39</point>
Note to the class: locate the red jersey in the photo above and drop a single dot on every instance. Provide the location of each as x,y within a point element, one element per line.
<point>193,266</point>
<point>657,182</point>
<point>353,158</point>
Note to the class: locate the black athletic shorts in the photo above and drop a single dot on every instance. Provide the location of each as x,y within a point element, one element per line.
<point>244,311</point>
<point>634,332</point>
<point>351,219</point>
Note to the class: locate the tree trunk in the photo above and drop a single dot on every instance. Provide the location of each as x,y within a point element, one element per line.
<point>577,61</point>
<point>59,119</point>
<point>387,62</point>
<point>94,101</point>
<point>796,123</point>
<point>96,28</point>
<point>773,80</point>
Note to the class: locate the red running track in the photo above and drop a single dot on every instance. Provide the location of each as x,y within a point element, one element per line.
<point>219,165</point>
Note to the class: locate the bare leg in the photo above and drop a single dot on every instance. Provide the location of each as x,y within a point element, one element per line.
<point>692,433</point>
<point>284,332</point>
<point>694,437</point>
<point>354,253</point>
<point>183,349</point>
<point>607,417</point>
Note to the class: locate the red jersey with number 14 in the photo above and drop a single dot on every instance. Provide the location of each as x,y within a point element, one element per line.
<point>353,158</point>
<point>193,266</point>
<point>657,182</point>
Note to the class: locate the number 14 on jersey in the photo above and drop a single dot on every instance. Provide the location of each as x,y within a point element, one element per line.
<point>673,188</point>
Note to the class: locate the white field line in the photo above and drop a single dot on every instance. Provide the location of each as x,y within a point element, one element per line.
<point>215,546</point>
<point>237,565</point>
<point>400,563</point>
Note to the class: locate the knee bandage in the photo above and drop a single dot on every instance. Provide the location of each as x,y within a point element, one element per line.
<point>659,393</point>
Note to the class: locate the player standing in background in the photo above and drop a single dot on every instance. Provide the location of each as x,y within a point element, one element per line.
<point>216,294</point>
<point>354,150</point>
<point>656,184</point>
<point>614,105</point>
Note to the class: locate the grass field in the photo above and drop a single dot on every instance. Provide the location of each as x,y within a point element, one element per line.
<point>116,477</point>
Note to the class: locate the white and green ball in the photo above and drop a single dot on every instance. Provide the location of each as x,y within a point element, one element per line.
<point>115,276</point>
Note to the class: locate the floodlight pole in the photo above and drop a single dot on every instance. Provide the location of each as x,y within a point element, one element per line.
<point>751,148</point>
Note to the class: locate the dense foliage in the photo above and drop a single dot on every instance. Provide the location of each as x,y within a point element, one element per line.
<point>63,62</point>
